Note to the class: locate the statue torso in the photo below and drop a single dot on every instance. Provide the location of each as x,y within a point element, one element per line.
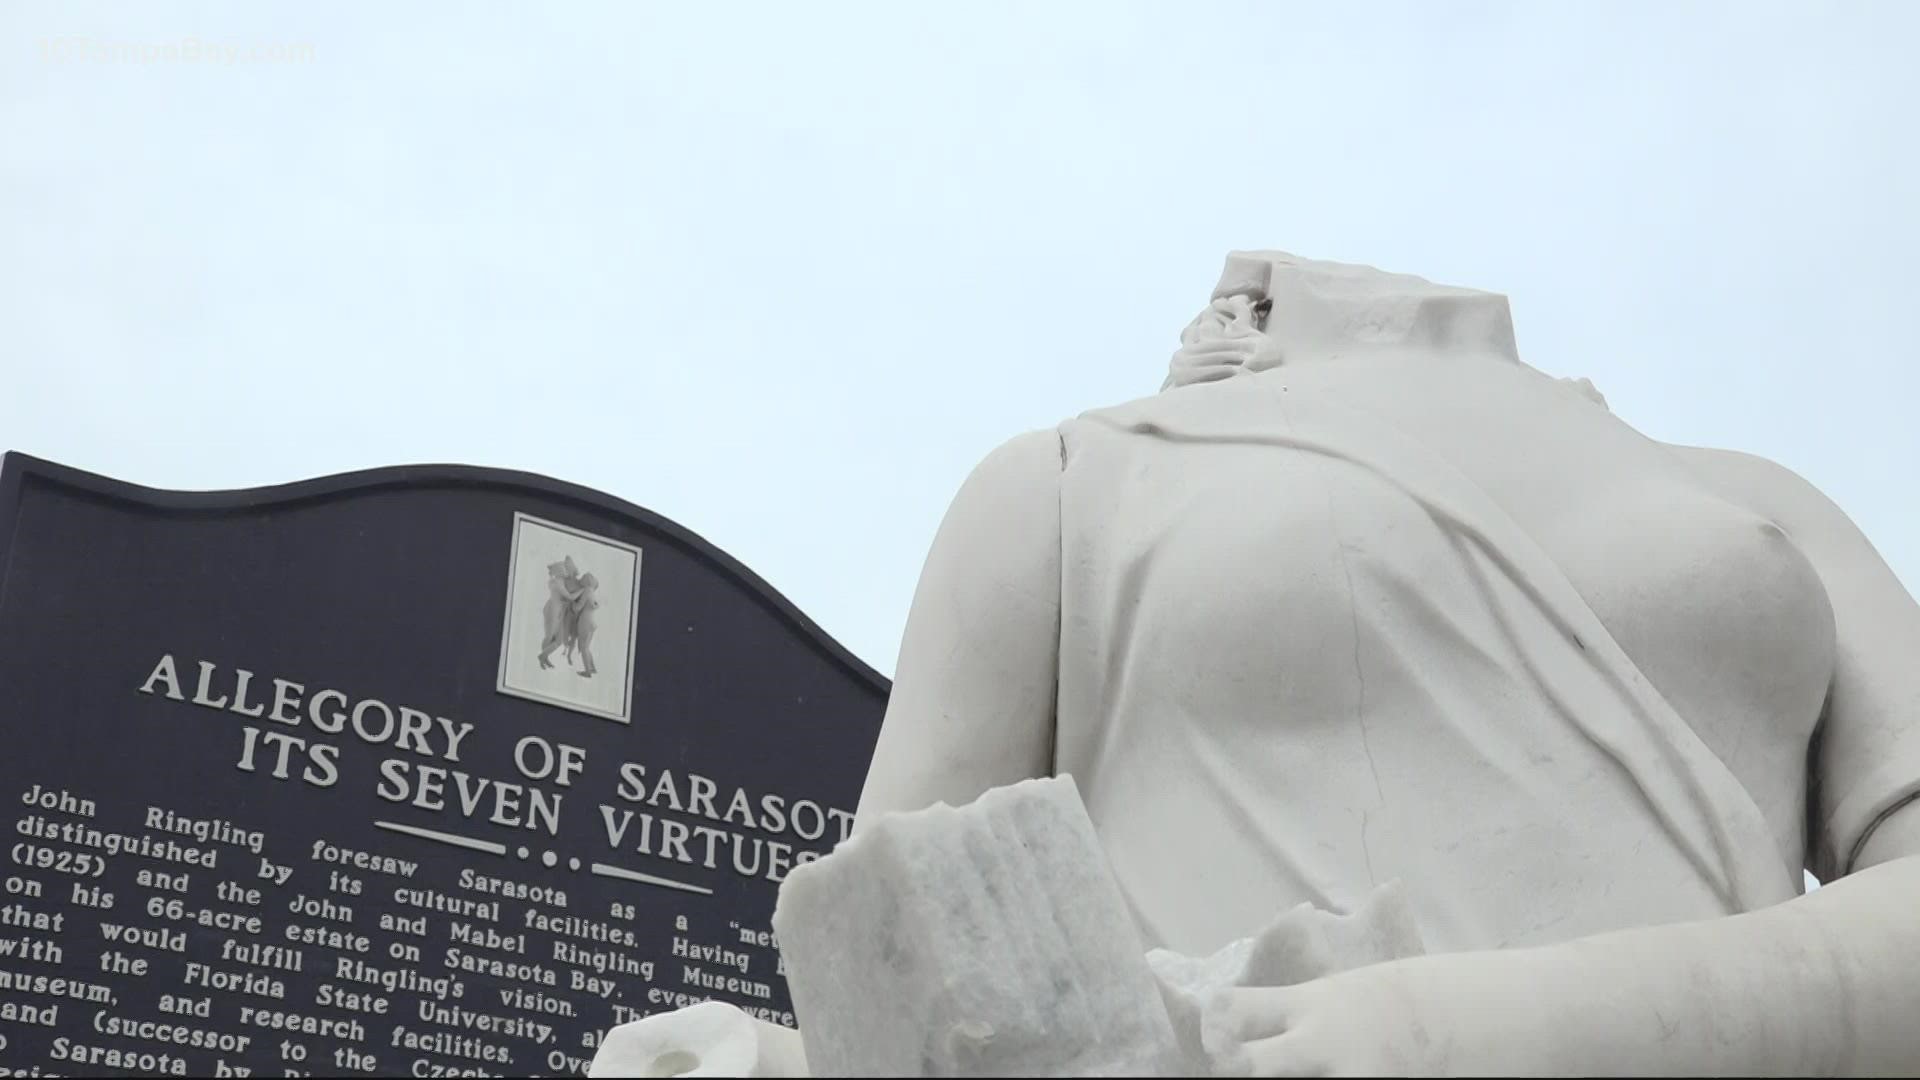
<point>1295,630</point>
<point>1710,599</point>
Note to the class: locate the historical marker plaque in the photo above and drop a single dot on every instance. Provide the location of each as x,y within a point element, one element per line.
<point>422,771</point>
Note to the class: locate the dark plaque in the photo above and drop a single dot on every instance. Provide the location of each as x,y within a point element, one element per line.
<point>421,771</point>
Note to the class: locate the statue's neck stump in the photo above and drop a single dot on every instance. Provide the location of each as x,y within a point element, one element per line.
<point>1325,309</point>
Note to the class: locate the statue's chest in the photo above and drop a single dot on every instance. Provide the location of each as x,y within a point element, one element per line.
<point>1309,586</point>
<point>1714,604</point>
<point>1724,616</point>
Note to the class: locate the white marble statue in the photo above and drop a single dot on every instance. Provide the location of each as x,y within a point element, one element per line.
<point>1359,597</point>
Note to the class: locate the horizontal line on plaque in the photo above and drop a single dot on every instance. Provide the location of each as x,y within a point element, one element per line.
<point>487,846</point>
<point>622,872</point>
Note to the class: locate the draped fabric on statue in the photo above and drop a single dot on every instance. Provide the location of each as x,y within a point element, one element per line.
<point>1302,654</point>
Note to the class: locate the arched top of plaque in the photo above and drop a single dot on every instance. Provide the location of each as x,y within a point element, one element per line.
<point>19,467</point>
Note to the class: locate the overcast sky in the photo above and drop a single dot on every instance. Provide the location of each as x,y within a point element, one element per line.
<point>784,272</point>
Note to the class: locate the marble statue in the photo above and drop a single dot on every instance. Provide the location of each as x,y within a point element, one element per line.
<point>1360,601</point>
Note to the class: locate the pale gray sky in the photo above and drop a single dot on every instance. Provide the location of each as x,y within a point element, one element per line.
<point>784,272</point>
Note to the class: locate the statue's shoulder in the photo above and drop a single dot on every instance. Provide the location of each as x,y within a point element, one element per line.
<point>1224,404</point>
<point>1115,414</point>
<point>1764,487</point>
<point>1027,458</point>
<point>1032,463</point>
<point>1015,480</point>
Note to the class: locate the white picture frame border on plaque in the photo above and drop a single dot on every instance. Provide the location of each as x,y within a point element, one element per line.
<point>537,544</point>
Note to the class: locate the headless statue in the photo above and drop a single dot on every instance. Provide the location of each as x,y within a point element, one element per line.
<point>1360,597</point>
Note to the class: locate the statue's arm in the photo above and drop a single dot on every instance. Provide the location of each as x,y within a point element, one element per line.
<point>1823,984</point>
<point>971,709</point>
<point>973,692</point>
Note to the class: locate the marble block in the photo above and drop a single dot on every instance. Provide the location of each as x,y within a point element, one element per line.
<point>987,940</point>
